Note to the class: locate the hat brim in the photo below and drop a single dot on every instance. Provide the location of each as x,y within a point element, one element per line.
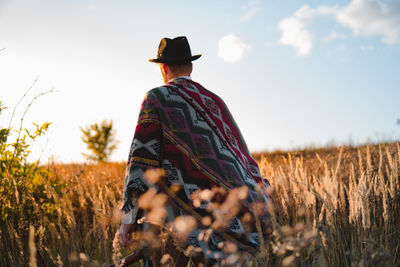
<point>166,60</point>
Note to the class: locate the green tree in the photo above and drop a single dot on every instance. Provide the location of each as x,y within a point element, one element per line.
<point>100,140</point>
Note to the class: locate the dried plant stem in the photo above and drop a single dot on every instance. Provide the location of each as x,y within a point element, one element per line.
<point>32,247</point>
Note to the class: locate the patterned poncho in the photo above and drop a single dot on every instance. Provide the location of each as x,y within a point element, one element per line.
<point>190,133</point>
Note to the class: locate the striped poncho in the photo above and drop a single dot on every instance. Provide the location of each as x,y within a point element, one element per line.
<point>190,133</point>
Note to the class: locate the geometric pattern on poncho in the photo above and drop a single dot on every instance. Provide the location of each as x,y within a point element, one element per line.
<point>190,133</point>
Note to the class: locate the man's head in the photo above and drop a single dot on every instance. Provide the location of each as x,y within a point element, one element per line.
<point>172,70</point>
<point>174,57</point>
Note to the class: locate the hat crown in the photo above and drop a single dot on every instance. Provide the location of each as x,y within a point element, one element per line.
<point>174,50</point>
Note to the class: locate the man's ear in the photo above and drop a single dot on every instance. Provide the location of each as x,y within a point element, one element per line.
<point>161,66</point>
<point>164,68</point>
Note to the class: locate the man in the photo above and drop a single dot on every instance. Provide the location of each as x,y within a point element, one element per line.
<point>189,132</point>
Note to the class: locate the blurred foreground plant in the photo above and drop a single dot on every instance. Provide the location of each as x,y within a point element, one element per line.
<point>25,187</point>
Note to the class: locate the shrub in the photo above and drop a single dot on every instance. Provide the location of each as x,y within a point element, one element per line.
<point>24,190</point>
<point>100,140</point>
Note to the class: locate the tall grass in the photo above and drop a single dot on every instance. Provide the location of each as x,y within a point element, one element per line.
<point>350,197</point>
<point>331,207</point>
<point>80,230</point>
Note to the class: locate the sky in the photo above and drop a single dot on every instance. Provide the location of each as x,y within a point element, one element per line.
<point>293,73</point>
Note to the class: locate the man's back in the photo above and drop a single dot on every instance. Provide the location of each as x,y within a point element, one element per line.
<point>210,181</point>
<point>189,132</point>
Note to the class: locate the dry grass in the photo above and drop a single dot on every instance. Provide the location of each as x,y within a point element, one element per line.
<point>83,228</point>
<point>350,196</point>
<point>332,207</point>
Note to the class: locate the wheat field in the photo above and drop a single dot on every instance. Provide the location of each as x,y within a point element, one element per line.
<point>335,206</point>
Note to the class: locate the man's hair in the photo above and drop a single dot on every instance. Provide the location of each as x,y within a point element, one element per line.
<point>179,66</point>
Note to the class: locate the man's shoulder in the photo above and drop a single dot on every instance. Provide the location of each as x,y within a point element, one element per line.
<point>162,90</point>
<point>210,94</point>
<point>156,91</point>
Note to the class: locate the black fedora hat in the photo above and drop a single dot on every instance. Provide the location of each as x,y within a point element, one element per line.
<point>174,51</point>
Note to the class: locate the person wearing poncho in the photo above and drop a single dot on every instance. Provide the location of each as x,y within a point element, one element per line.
<point>188,131</point>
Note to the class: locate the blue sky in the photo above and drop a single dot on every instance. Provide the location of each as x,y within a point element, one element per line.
<point>293,73</point>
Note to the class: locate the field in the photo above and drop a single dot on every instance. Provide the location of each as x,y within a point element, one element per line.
<point>335,206</point>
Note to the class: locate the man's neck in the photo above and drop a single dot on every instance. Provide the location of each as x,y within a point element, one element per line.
<point>173,77</point>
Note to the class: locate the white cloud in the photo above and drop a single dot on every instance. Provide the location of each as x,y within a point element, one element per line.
<point>372,18</point>
<point>231,48</point>
<point>363,17</point>
<point>251,9</point>
<point>334,35</point>
<point>366,47</point>
<point>306,12</point>
<point>248,15</point>
<point>270,44</point>
<point>294,34</point>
